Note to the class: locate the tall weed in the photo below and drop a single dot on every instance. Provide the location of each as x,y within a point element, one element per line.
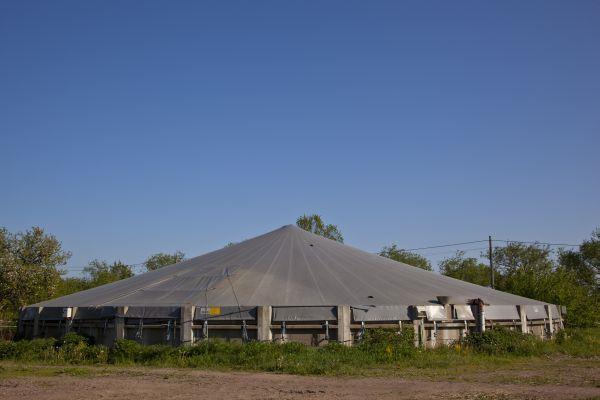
<point>378,349</point>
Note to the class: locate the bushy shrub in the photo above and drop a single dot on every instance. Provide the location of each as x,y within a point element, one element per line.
<point>37,349</point>
<point>73,338</point>
<point>126,351</point>
<point>8,349</point>
<point>210,347</point>
<point>389,343</point>
<point>28,350</point>
<point>132,352</point>
<point>96,354</point>
<point>79,349</point>
<point>500,340</point>
<point>157,355</point>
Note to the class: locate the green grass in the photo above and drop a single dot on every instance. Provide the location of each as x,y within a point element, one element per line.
<point>380,353</point>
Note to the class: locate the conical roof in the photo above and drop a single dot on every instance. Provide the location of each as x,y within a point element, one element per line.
<point>285,267</point>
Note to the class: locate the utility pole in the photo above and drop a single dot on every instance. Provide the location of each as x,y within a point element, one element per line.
<point>491,263</point>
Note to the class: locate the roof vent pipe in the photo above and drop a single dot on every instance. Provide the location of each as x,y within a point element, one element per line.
<point>443,300</point>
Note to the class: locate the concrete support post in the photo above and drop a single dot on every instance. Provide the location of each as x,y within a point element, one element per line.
<point>551,320</point>
<point>417,334</point>
<point>186,333</point>
<point>36,323</point>
<point>120,323</point>
<point>523,317</point>
<point>263,324</point>
<point>343,325</point>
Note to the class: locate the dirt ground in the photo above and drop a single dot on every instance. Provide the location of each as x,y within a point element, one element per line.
<point>52,382</point>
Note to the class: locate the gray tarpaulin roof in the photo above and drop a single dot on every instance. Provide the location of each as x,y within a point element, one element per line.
<point>285,267</point>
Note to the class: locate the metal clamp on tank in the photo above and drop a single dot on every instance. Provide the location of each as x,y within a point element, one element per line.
<point>205,329</point>
<point>361,333</point>
<point>168,336</point>
<point>245,338</point>
<point>140,332</point>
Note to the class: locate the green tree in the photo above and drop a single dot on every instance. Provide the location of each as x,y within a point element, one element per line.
<point>467,269</point>
<point>585,262</point>
<point>100,272</point>
<point>526,270</point>
<point>531,271</point>
<point>160,260</point>
<point>97,273</point>
<point>69,285</point>
<point>314,223</point>
<point>583,306</point>
<point>404,256</point>
<point>29,268</point>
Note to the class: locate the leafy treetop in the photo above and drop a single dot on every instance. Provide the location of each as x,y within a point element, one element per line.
<point>404,256</point>
<point>29,268</point>
<point>160,260</point>
<point>314,223</point>
<point>467,269</point>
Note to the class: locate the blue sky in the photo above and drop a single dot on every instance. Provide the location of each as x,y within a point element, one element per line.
<point>132,128</point>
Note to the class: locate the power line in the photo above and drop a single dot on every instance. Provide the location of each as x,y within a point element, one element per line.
<point>544,243</point>
<point>452,251</point>
<point>493,240</point>
<point>445,245</point>
<point>82,268</point>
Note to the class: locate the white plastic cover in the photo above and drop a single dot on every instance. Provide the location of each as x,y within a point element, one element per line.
<point>304,314</point>
<point>501,312</point>
<point>536,312</point>
<point>435,313</point>
<point>380,313</point>
<point>94,312</point>
<point>464,312</point>
<point>153,312</point>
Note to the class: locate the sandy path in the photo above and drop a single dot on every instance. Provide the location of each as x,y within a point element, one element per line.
<point>177,384</point>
